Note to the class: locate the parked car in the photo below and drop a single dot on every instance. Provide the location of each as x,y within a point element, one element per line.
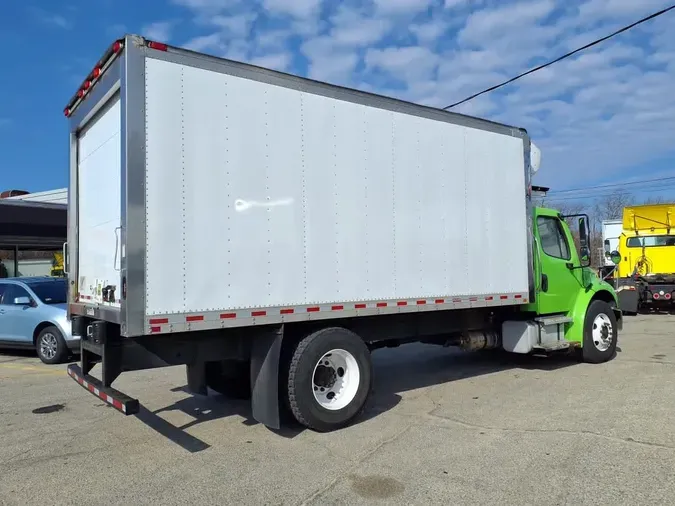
<point>33,315</point>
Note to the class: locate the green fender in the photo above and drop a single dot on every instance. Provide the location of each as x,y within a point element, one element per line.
<point>598,290</point>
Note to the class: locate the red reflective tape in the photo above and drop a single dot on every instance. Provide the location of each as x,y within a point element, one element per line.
<point>473,299</point>
<point>359,306</point>
<point>456,300</point>
<point>313,309</point>
<point>519,296</point>
<point>503,297</point>
<point>117,404</point>
<point>489,298</point>
<point>401,303</point>
<point>155,330</point>
<point>381,304</point>
<point>440,301</point>
<point>227,316</point>
<point>421,302</point>
<point>337,308</point>
<point>287,311</point>
<point>259,313</point>
<point>159,321</point>
<point>194,318</point>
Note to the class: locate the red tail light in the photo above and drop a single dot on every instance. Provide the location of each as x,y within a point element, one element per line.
<point>105,62</point>
<point>159,46</point>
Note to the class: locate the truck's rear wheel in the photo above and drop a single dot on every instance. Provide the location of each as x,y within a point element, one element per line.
<point>600,333</point>
<point>231,378</point>
<point>329,379</point>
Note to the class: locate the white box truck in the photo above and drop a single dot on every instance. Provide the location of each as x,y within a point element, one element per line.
<point>269,232</point>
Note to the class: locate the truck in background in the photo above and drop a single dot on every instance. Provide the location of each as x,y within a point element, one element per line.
<point>611,234</point>
<point>345,222</point>
<point>645,258</point>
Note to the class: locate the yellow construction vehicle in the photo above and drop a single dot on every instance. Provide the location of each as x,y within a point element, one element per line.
<point>645,274</point>
<point>57,265</point>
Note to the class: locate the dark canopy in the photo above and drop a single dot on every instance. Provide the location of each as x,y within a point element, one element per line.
<point>32,224</point>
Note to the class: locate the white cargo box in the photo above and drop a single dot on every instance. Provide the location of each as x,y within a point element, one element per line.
<point>214,194</point>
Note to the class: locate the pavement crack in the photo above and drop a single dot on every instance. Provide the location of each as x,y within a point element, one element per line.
<point>472,426</point>
<point>355,464</point>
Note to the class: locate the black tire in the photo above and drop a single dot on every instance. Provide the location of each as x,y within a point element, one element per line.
<point>231,378</point>
<point>592,351</point>
<point>50,346</point>
<point>299,383</point>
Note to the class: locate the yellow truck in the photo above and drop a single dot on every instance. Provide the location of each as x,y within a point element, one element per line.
<point>645,259</point>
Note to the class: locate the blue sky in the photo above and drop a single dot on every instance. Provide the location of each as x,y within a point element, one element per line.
<point>605,115</point>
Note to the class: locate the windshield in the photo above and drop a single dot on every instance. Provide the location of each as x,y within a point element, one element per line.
<point>52,292</point>
<point>651,241</point>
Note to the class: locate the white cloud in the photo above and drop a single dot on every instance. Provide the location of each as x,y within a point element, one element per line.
<point>275,61</point>
<point>51,18</point>
<point>205,43</point>
<point>402,6</point>
<point>159,31</point>
<point>452,4</point>
<point>297,8</point>
<point>410,63</point>
<point>486,25</point>
<point>604,112</point>
<point>429,32</point>
<point>236,25</point>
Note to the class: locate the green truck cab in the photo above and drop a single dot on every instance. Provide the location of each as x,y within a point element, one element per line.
<point>569,297</point>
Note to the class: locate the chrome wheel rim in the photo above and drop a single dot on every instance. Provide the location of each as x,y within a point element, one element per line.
<point>48,346</point>
<point>602,332</point>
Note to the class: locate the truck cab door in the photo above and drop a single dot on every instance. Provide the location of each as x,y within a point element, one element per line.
<point>559,283</point>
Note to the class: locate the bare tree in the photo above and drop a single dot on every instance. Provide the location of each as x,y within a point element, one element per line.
<point>610,207</point>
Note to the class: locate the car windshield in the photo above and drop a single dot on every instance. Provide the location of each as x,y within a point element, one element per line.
<point>52,292</point>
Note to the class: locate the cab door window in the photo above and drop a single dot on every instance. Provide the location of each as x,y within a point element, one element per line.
<point>553,240</point>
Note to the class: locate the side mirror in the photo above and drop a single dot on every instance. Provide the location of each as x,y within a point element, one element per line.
<point>607,252</point>
<point>585,256</point>
<point>583,232</point>
<point>615,257</point>
<point>22,301</point>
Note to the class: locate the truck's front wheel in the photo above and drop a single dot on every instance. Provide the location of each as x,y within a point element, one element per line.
<point>329,379</point>
<point>600,333</point>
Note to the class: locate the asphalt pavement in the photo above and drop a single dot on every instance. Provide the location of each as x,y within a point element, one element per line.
<point>443,427</point>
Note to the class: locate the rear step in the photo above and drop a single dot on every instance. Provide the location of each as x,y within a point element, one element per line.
<point>109,395</point>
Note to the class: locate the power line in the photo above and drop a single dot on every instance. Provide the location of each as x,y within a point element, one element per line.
<point>593,196</point>
<point>567,55</point>
<point>613,185</point>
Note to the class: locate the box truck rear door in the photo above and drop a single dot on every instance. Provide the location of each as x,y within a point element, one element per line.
<point>99,205</point>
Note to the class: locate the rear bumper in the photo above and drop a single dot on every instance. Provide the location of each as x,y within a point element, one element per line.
<point>73,344</point>
<point>121,402</point>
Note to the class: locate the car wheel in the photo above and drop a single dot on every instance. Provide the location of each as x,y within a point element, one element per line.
<point>50,346</point>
